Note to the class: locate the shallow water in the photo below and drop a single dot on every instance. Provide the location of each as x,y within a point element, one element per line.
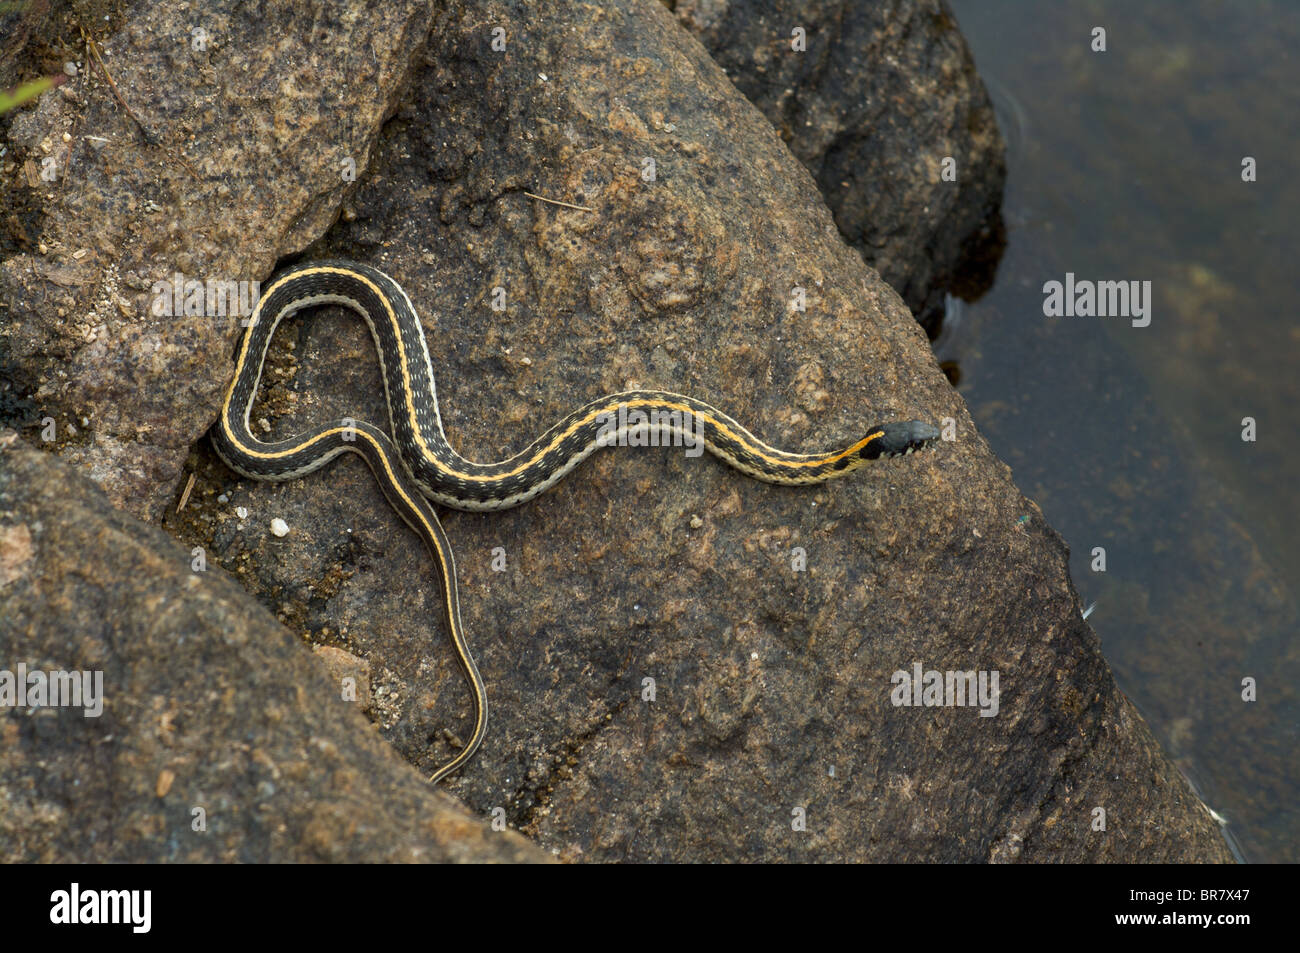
<point>1127,165</point>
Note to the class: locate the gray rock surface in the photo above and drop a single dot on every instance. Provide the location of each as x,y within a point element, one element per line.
<point>221,738</point>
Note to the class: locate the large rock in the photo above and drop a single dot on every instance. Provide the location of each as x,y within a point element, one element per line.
<point>250,130</point>
<point>873,102</point>
<point>220,737</point>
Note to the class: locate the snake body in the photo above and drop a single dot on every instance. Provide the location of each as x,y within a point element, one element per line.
<point>417,464</point>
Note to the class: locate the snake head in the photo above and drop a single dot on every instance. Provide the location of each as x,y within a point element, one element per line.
<point>898,439</point>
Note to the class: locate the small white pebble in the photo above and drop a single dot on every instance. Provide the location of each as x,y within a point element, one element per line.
<point>279,527</point>
<point>223,498</point>
<point>241,512</point>
<point>70,68</point>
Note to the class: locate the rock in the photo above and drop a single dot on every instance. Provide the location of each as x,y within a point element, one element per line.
<point>213,716</point>
<point>240,157</point>
<point>880,95</point>
<point>350,673</point>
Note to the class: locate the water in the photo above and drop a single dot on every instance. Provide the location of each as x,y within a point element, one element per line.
<point>1127,165</point>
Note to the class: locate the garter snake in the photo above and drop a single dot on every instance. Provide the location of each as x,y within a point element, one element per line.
<point>417,464</point>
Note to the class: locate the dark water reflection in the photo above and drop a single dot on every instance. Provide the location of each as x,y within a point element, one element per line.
<point>1126,165</point>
